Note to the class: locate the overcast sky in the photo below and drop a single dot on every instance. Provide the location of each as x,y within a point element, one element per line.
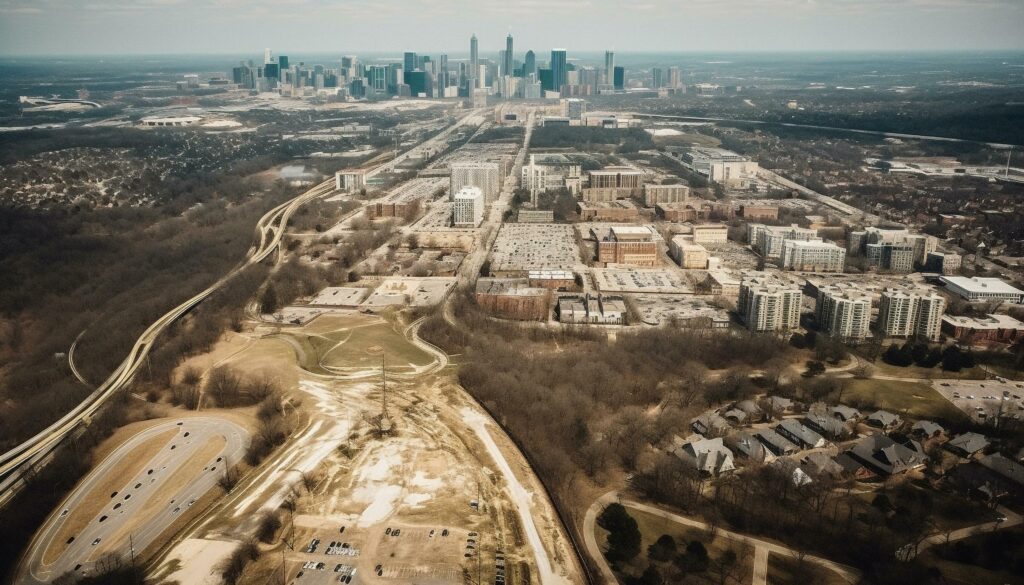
<point>304,26</point>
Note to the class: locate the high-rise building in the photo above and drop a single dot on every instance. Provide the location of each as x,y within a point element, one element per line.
<point>844,312</point>
<point>559,74</point>
<point>767,303</point>
<point>410,62</point>
<point>609,68</point>
<point>468,210</point>
<point>378,79</point>
<point>910,312</point>
<point>266,56</point>
<point>474,63</point>
<point>507,66</point>
<point>282,63</point>
<point>657,78</point>
<point>812,256</point>
<point>675,78</point>
<point>619,77</point>
<point>529,65</point>
<point>485,175</point>
<point>889,256</point>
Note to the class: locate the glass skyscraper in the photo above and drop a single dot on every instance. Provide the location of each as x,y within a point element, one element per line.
<point>559,75</point>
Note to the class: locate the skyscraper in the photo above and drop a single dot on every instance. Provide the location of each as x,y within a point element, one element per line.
<point>410,62</point>
<point>559,74</point>
<point>529,64</point>
<point>266,56</point>
<point>509,60</point>
<point>609,68</point>
<point>619,77</point>
<point>474,60</point>
<point>657,78</point>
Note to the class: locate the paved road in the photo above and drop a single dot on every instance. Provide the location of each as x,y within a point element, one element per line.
<point>850,574</point>
<point>133,495</point>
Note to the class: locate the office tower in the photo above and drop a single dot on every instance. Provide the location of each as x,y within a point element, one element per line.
<point>485,175</point>
<point>410,62</point>
<point>474,62</point>
<point>844,312</point>
<point>529,64</point>
<point>418,82</point>
<point>509,60</point>
<point>468,210</point>
<point>266,56</point>
<point>619,77</point>
<point>609,67</point>
<point>657,78</point>
<point>378,77</point>
<point>442,72</point>
<point>546,80</point>
<point>910,312</point>
<point>769,304</point>
<point>559,74</point>
<point>675,78</point>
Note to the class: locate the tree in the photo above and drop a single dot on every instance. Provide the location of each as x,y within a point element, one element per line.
<point>663,549</point>
<point>623,533</point>
<point>651,576</point>
<point>814,368</point>
<point>268,300</point>
<point>694,559</point>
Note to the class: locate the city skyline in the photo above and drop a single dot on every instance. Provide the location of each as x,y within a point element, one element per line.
<point>655,26</point>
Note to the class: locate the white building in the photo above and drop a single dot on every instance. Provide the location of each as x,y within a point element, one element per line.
<point>767,303</point>
<point>688,254</point>
<point>812,256</point>
<point>721,166</point>
<point>710,233</point>
<point>654,194</point>
<point>349,181</point>
<point>468,210</point>
<point>844,312</point>
<point>910,312</point>
<point>769,239</point>
<point>485,175</point>
<point>547,172</point>
<point>977,288</point>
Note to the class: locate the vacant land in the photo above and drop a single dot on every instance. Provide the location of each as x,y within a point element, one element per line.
<point>913,398</point>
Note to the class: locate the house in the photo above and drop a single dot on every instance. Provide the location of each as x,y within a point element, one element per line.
<point>799,434</point>
<point>750,407</point>
<point>746,444</point>
<point>710,424</point>
<point>792,469</point>
<point>990,477</point>
<point>735,416</point>
<point>853,468</point>
<point>883,420</point>
<point>777,405</point>
<point>828,426</point>
<point>926,429</point>
<point>817,464</point>
<point>709,456</point>
<point>967,444</point>
<point>775,442</point>
<point>844,413</point>
<point>887,457</point>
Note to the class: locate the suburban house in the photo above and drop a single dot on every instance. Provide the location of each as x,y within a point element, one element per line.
<point>926,429</point>
<point>799,434</point>
<point>710,424</point>
<point>828,426</point>
<point>775,442</point>
<point>736,416</point>
<point>817,464</point>
<point>777,405</point>
<point>990,477</point>
<point>883,420</point>
<point>887,457</point>
<point>967,444</point>
<point>855,469</point>
<point>709,456</point>
<point>749,446</point>
<point>844,413</point>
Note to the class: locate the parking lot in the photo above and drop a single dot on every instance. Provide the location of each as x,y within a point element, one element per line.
<point>981,399</point>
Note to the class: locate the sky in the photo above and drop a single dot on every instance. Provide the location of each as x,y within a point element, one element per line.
<point>115,27</point>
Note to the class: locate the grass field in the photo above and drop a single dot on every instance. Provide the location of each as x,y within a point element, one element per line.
<point>356,347</point>
<point>912,398</point>
<point>782,570</point>
<point>936,373</point>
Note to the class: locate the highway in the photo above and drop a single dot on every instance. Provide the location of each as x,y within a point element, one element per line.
<point>270,229</point>
<point>134,509</point>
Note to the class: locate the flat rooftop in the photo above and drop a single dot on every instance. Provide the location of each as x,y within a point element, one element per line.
<point>977,284</point>
<point>666,280</point>
<point>339,296</point>
<point>534,246</point>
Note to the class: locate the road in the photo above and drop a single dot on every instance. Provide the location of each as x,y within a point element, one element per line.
<point>761,547</point>
<point>270,228</point>
<point>134,508</point>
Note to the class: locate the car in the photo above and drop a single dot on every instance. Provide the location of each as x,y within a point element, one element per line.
<point>377,568</point>
<point>95,542</point>
<point>396,532</point>
<point>70,540</point>
<point>1000,519</point>
<point>117,505</point>
<point>970,397</point>
<point>102,518</point>
<point>431,535</point>
<point>444,532</point>
<point>472,534</point>
<point>192,501</point>
<point>138,485</point>
<point>113,495</point>
<point>176,510</point>
<point>956,395</point>
<point>387,531</point>
<point>342,531</point>
<point>65,512</point>
<point>337,567</point>
<point>127,496</point>
<point>186,433</point>
<point>78,566</point>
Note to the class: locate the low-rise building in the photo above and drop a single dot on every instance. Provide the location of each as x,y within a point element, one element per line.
<point>967,444</point>
<point>676,212</point>
<point>535,216</point>
<point>592,310</point>
<point>628,245</point>
<point>989,328</point>
<point>799,434</point>
<point>655,194</point>
<point>776,443</point>
<point>947,263</point>
<point>615,182</point>
<point>759,212</point>
<point>811,256</point>
<point>513,298</point>
<point>887,457</point>
<point>883,419</point>
<point>608,211</point>
<point>688,254</point>
<point>978,288</point>
<point>710,233</point>
<point>707,456</point>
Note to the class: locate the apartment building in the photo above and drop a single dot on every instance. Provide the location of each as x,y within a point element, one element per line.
<point>812,256</point>
<point>769,304</point>
<point>844,312</point>
<point>910,312</point>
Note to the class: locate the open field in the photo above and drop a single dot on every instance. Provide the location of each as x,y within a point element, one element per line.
<point>913,398</point>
